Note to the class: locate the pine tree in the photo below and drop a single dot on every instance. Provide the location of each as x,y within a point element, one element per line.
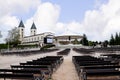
<point>112,40</point>
<point>116,39</point>
<point>119,39</point>
<point>84,40</point>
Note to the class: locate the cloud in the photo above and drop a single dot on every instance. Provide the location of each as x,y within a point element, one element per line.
<point>6,23</point>
<point>98,23</point>
<point>17,6</point>
<point>45,18</point>
<point>9,11</point>
<point>101,23</point>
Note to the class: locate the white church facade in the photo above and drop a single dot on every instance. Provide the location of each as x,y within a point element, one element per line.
<point>33,38</point>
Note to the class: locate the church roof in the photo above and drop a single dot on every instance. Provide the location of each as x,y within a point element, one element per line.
<point>33,26</point>
<point>21,24</point>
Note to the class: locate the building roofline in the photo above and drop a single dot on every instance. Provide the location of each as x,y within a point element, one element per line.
<point>38,34</point>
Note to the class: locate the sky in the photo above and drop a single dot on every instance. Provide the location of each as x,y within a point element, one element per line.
<point>98,19</point>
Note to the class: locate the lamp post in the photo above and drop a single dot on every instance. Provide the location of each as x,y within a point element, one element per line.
<point>8,42</point>
<point>8,45</point>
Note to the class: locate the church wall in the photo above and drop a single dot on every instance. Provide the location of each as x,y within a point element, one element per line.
<point>33,39</point>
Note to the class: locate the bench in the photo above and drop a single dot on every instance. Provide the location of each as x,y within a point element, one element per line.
<point>40,69</point>
<point>87,66</point>
<point>21,74</point>
<point>98,73</point>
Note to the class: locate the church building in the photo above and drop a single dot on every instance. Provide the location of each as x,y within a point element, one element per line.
<point>34,38</point>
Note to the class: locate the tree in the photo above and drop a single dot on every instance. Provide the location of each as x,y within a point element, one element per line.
<point>112,40</point>
<point>105,43</point>
<point>116,39</point>
<point>91,43</point>
<point>100,43</point>
<point>13,37</point>
<point>84,40</point>
<point>119,39</point>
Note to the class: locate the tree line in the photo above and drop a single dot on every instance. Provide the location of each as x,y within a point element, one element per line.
<point>115,39</point>
<point>86,42</point>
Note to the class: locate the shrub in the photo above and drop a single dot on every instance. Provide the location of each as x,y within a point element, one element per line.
<point>47,46</point>
<point>3,46</point>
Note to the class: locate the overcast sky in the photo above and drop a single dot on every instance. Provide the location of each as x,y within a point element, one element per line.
<point>98,19</point>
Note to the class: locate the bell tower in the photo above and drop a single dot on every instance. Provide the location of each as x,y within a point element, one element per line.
<point>33,29</point>
<point>21,30</point>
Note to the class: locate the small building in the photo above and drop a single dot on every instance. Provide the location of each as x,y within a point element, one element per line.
<point>67,38</point>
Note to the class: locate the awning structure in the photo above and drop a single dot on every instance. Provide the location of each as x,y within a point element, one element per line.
<point>68,36</point>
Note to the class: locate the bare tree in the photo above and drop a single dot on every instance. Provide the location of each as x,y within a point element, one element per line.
<point>13,37</point>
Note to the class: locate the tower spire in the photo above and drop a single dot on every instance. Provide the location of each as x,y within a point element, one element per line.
<point>21,24</point>
<point>33,26</point>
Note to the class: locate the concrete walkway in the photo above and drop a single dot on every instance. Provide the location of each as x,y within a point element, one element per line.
<point>67,69</point>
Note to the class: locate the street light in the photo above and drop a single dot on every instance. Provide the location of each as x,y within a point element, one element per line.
<point>8,42</point>
<point>8,45</point>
